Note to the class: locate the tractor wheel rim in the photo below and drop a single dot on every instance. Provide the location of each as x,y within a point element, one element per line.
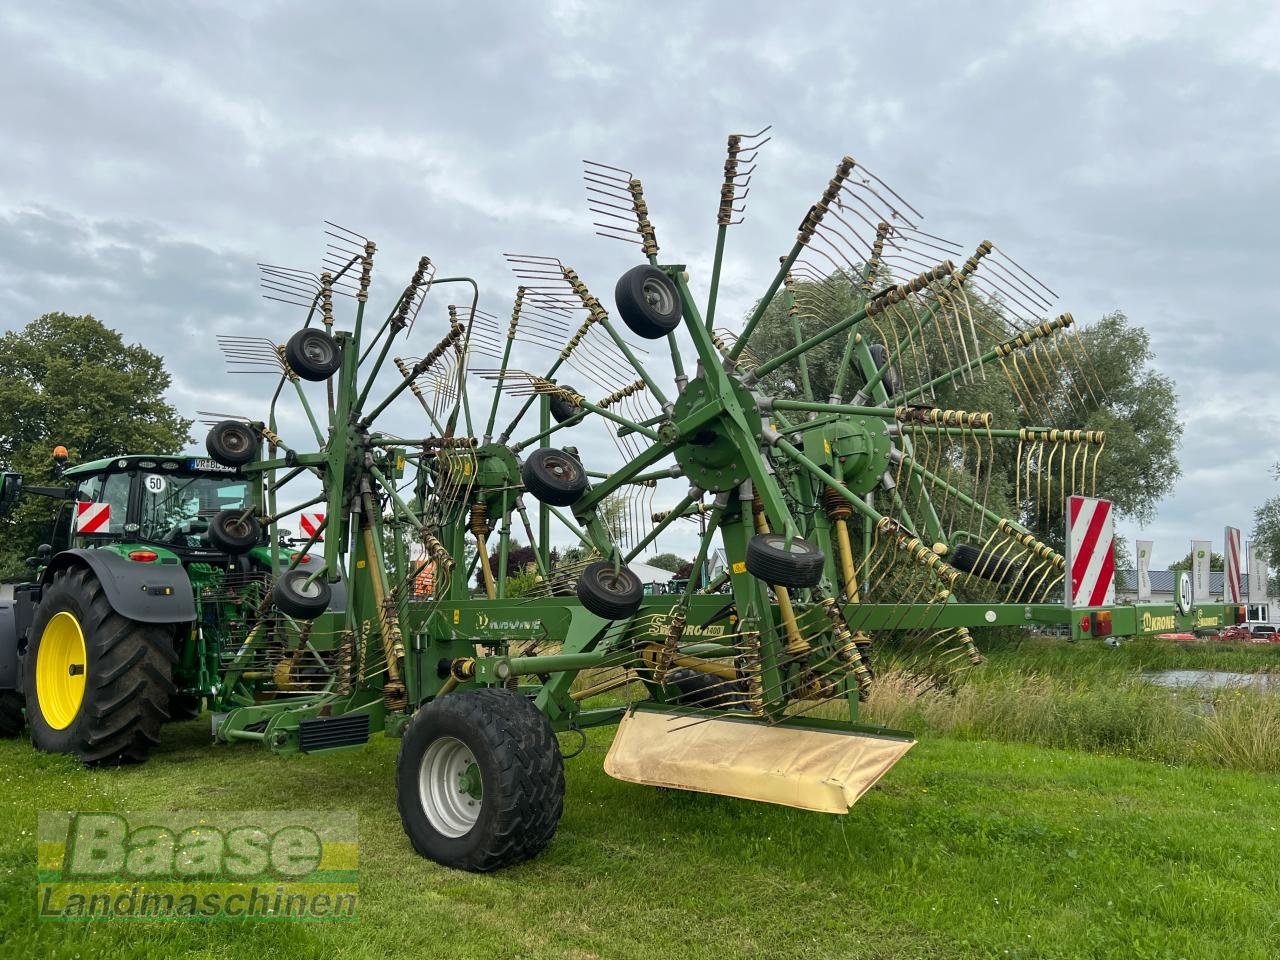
<point>658,296</point>
<point>60,670</point>
<point>450,787</point>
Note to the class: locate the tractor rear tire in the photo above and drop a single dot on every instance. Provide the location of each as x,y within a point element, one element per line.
<point>313,355</point>
<point>608,593</point>
<point>112,714</point>
<point>554,477</point>
<point>11,721</point>
<point>770,560</point>
<point>185,707</point>
<point>479,780</point>
<point>232,443</point>
<point>648,302</point>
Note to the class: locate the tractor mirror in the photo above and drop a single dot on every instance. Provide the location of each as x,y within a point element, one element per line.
<point>10,491</point>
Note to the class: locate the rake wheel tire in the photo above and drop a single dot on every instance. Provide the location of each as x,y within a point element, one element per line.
<point>561,409</point>
<point>770,560</point>
<point>892,379</point>
<point>554,476</point>
<point>648,302</point>
<point>128,676</point>
<point>299,599</point>
<point>986,566</point>
<point>705,690</point>
<point>520,770</point>
<point>232,532</point>
<point>313,355</point>
<point>232,443</point>
<point>608,593</point>
<point>11,720</point>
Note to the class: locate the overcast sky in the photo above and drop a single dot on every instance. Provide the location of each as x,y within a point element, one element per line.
<point>1125,151</point>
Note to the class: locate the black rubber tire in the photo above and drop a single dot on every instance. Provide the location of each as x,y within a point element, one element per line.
<point>987,566</point>
<point>232,443</point>
<point>554,476</point>
<point>292,595</point>
<point>704,690</point>
<point>521,774</point>
<point>232,532</point>
<point>648,302</point>
<point>562,409</point>
<point>769,560</point>
<point>185,707</point>
<point>608,593</point>
<point>313,355</point>
<point>11,719</point>
<point>128,676</point>
<point>892,379</point>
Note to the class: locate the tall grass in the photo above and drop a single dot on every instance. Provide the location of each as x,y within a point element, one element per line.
<point>1093,711</point>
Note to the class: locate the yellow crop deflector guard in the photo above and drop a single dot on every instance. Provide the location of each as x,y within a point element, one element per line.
<point>796,766</point>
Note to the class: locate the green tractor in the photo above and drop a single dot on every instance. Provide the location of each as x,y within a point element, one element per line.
<point>153,562</point>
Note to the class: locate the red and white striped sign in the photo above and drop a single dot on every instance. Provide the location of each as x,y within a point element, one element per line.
<point>310,524</point>
<point>1231,592</point>
<point>1090,552</point>
<point>93,517</point>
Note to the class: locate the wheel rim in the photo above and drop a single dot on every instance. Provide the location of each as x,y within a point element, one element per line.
<point>60,670</point>
<point>658,296</point>
<point>797,546</point>
<point>304,586</point>
<point>317,351</point>
<point>234,441</point>
<point>616,582</point>
<point>450,787</point>
<point>562,468</point>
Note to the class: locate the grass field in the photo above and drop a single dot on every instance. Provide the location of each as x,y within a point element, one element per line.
<point>968,848</point>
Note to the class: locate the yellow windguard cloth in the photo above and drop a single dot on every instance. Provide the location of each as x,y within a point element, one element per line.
<point>824,770</point>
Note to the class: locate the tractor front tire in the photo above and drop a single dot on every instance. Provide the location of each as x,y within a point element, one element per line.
<point>11,722</point>
<point>479,780</point>
<point>97,684</point>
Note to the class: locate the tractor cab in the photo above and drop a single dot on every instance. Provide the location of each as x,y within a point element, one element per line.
<point>167,501</point>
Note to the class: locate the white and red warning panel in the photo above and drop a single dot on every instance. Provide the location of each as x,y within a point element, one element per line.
<point>93,518</point>
<point>310,524</point>
<point>1231,592</point>
<point>1090,557</point>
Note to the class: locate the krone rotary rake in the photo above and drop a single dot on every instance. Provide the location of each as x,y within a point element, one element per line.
<point>861,514</point>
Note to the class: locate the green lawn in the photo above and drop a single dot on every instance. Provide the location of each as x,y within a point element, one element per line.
<point>966,849</point>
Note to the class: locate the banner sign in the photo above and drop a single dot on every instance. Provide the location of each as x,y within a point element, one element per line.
<point>1257,574</point>
<point>1144,570</point>
<point>1201,553</point>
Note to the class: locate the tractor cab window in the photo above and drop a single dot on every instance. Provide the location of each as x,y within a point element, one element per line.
<point>108,495</point>
<point>176,510</point>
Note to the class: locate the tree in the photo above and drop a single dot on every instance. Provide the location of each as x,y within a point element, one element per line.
<point>1216,563</point>
<point>668,561</point>
<point>1266,533</point>
<point>73,381</point>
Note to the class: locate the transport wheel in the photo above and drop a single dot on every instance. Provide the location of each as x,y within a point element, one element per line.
<point>892,379</point>
<point>479,780</point>
<point>234,532</point>
<point>232,443</point>
<point>554,476</point>
<point>97,684</point>
<point>292,594</point>
<point>648,302</point>
<point>770,559</point>
<point>562,409</point>
<point>11,722</point>
<point>609,593</point>
<point>312,354</point>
